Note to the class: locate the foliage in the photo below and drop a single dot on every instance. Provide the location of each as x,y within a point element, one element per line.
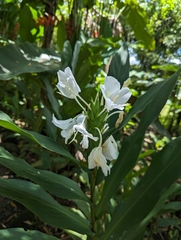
<point>141,196</point>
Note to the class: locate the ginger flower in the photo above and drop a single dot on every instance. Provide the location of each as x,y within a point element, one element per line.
<point>115,98</point>
<point>67,84</point>
<point>99,155</point>
<point>73,126</point>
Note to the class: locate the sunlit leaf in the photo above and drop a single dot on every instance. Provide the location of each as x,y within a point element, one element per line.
<point>26,58</point>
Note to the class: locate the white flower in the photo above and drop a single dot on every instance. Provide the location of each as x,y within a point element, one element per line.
<point>97,159</point>
<point>67,125</point>
<point>98,156</point>
<point>109,149</point>
<point>81,129</point>
<point>115,98</point>
<point>67,84</point>
<point>72,126</point>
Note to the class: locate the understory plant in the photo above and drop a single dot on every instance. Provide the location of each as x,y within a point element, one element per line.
<point>106,208</point>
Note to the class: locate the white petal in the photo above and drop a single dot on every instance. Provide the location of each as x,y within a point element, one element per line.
<point>124,96</point>
<point>81,129</point>
<point>63,124</point>
<point>61,76</point>
<point>67,134</point>
<point>114,97</point>
<point>67,84</point>
<point>65,91</point>
<point>111,84</point>
<point>80,118</point>
<point>109,149</point>
<point>69,73</point>
<point>96,158</point>
<point>85,142</point>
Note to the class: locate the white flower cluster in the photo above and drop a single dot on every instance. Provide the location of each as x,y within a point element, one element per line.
<point>115,98</point>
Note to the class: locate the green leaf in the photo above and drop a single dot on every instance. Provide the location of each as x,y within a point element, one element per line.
<point>43,205</point>
<point>21,234</point>
<point>137,232</point>
<point>27,23</point>
<point>77,47</point>
<point>163,172</point>
<point>51,129</point>
<point>131,146</point>
<point>43,141</point>
<point>66,55</point>
<point>167,67</point>
<point>71,108</point>
<point>61,34</point>
<point>171,207</point>
<point>58,185</point>
<point>51,96</point>
<point>165,222</point>
<point>15,60</point>
<point>119,67</point>
<point>137,19</point>
<point>105,28</point>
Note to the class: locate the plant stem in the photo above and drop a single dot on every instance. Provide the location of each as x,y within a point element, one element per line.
<point>92,180</point>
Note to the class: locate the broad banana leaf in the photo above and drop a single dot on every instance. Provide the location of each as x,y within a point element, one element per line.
<point>26,58</point>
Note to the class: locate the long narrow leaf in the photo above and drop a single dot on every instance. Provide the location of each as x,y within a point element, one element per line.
<point>164,170</point>
<point>131,147</point>
<point>139,229</point>
<point>58,185</point>
<point>119,67</point>
<point>43,205</point>
<point>21,234</point>
<point>45,142</point>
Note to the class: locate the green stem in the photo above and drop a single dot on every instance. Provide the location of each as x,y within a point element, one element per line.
<point>92,180</point>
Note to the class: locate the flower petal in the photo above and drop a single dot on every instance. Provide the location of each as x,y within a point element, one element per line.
<point>111,84</point>
<point>124,95</point>
<point>97,159</point>
<point>85,142</point>
<point>67,84</point>
<point>115,98</point>
<point>109,149</point>
<point>63,124</point>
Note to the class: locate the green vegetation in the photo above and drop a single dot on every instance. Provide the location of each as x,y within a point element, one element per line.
<point>67,188</point>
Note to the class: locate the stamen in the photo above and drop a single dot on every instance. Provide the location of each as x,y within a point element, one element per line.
<point>80,104</point>
<point>100,135</point>
<point>84,101</point>
<point>103,110</point>
<point>113,114</point>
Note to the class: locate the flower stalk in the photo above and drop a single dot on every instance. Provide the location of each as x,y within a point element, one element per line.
<point>91,125</point>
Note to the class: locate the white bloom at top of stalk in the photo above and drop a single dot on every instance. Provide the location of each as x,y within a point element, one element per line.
<point>97,159</point>
<point>109,149</point>
<point>115,98</point>
<point>67,125</point>
<point>67,84</point>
